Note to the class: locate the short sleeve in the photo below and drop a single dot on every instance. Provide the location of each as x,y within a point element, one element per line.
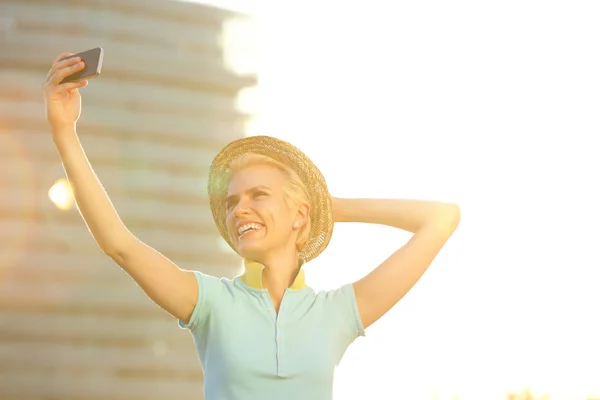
<point>354,322</point>
<point>207,289</point>
<point>345,313</point>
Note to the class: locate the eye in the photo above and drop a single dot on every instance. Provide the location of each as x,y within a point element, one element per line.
<point>260,194</point>
<point>229,205</point>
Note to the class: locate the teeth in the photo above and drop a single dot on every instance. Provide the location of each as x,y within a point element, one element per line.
<point>246,227</point>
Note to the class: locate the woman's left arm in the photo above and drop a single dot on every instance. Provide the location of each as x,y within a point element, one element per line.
<point>432,224</point>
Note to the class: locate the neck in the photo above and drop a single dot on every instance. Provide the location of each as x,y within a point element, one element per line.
<point>279,271</point>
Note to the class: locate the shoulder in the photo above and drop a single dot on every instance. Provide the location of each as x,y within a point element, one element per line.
<point>213,293</point>
<point>340,294</point>
<point>216,286</point>
<point>341,309</point>
<point>341,299</point>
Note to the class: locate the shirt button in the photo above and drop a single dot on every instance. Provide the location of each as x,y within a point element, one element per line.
<point>279,355</point>
<point>279,340</point>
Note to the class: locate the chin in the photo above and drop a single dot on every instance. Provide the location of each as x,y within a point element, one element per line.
<point>251,251</point>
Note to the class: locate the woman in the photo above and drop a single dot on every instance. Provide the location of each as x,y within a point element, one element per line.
<point>265,334</point>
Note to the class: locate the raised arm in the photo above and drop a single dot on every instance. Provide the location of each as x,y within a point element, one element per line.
<point>173,289</point>
<point>432,224</point>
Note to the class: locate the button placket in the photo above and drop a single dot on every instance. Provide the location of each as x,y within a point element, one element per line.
<point>279,345</point>
<point>268,304</point>
<point>279,336</point>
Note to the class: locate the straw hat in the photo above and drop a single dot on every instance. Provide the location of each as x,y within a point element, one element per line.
<point>321,213</point>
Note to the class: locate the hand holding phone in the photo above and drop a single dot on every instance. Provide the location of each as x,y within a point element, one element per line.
<point>69,72</point>
<point>92,60</point>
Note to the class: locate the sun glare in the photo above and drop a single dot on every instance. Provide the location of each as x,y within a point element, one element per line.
<point>446,103</point>
<point>61,195</point>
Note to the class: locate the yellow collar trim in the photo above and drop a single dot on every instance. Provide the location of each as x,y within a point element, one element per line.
<point>253,276</point>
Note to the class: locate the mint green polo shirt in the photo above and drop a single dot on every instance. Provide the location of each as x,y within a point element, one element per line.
<point>248,351</point>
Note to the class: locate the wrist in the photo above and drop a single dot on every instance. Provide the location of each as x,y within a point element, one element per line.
<point>63,131</point>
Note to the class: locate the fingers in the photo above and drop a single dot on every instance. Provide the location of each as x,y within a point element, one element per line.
<point>61,57</point>
<point>61,70</point>
<point>65,87</point>
<point>58,59</point>
<point>66,68</point>
<point>65,63</point>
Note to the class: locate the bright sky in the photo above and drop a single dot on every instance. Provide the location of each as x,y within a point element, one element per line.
<point>493,105</point>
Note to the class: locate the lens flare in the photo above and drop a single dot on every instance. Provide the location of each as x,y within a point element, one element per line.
<point>61,195</point>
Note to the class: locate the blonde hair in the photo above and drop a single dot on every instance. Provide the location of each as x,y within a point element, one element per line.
<point>295,190</point>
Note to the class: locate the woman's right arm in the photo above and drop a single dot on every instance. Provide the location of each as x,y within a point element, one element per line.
<point>173,289</point>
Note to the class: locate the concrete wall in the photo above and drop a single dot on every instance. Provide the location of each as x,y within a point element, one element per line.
<point>72,324</point>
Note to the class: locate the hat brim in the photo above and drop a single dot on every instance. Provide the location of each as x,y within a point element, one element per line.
<point>321,213</point>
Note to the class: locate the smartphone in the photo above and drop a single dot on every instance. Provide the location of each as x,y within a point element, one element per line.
<point>93,65</point>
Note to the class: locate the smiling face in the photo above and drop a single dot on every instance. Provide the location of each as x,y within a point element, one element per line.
<point>260,216</point>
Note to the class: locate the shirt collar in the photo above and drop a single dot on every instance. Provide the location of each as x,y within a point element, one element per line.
<point>253,276</point>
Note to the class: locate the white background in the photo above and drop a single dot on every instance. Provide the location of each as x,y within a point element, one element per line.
<point>493,105</point>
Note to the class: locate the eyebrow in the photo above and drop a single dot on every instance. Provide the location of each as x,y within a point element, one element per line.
<point>232,197</point>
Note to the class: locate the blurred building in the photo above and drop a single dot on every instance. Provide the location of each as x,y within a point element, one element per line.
<point>72,324</point>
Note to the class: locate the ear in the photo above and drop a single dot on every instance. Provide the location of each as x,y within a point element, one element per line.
<point>301,216</point>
